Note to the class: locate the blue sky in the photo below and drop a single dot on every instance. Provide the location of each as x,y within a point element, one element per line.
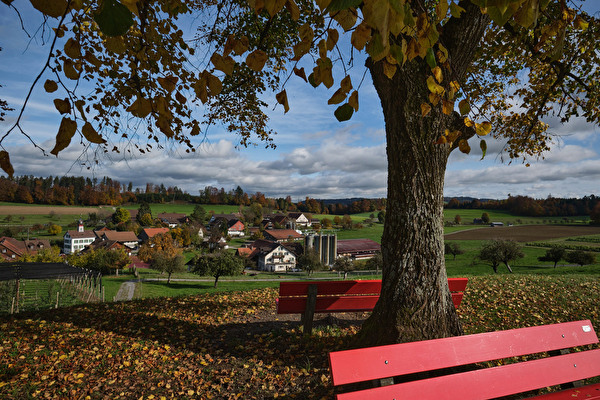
<point>315,156</point>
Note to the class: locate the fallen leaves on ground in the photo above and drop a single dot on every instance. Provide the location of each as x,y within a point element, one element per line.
<point>231,345</point>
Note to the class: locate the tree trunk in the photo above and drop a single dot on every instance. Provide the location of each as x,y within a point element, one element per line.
<point>216,280</point>
<point>509,268</point>
<point>415,301</point>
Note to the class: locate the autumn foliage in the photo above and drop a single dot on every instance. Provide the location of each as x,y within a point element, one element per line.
<point>230,345</point>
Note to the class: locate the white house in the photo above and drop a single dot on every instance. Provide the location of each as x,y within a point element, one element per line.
<point>75,241</point>
<point>273,257</point>
<point>297,220</point>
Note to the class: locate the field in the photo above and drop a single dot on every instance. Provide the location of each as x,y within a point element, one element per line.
<point>524,233</point>
<point>233,345</point>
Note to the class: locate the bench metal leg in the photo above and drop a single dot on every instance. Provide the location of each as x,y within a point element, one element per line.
<point>309,313</point>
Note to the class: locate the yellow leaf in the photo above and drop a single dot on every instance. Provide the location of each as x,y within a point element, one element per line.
<point>63,137</point>
<point>468,122</point>
<point>72,48</point>
<point>70,71</point>
<point>293,9</point>
<point>140,108</point>
<point>434,99</point>
<point>441,140</point>
<point>50,86</point>
<point>346,84</point>
<point>283,100</point>
<point>434,87</point>
<point>164,125</point>
<point>441,9</point>
<point>332,38</point>
<point>425,109</point>
<point>447,107</point>
<point>53,8</point>
<point>215,86</point>
<point>224,64</point>
<point>168,83</point>
<point>484,128</point>
<point>300,72</point>
<point>274,6</point>
<point>353,100</point>
<point>452,136</point>
<point>323,4</point>
<point>360,36</point>
<point>241,45</point>
<point>346,18</point>
<point>115,44</point>
<point>91,135</point>
<point>437,73</point>
<point>322,48</point>
<point>337,97</point>
<point>464,147</point>
<point>464,107</point>
<point>5,163</point>
<point>456,10</point>
<point>389,69</point>
<point>63,105</point>
<point>256,60</point>
<point>131,5</point>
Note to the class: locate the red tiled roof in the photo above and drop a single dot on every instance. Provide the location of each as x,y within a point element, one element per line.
<point>151,232</point>
<point>126,236</point>
<point>282,234</point>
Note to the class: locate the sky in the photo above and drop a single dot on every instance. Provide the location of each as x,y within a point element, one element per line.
<point>316,155</point>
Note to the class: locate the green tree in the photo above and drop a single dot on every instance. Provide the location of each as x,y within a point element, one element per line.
<point>54,229</point>
<point>326,223</point>
<point>553,254</point>
<point>46,255</point>
<point>217,264</point>
<point>168,263</point>
<point>105,261</point>
<point>121,216</point>
<point>453,248</point>
<point>144,215</point>
<point>381,216</point>
<point>199,214</point>
<point>580,257</point>
<point>375,262</point>
<point>310,261</point>
<point>344,265</point>
<point>595,214</point>
<point>445,72</point>
<point>500,251</point>
<point>485,218</point>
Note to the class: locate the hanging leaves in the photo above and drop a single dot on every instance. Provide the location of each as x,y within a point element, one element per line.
<point>113,19</point>
<point>50,86</point>
<point>5,163</point>
<point>63,137</point>
<point>283,100</point>
<point>168,83</point>
<point>63,105</point>
<point>225,64</point>
<point>256,60</point>
<point>140,108</point>
<point>464,147</point>
<point>54,9</point>
<point>91,135</point>
<point>344,112</point>
<point>483,147</point>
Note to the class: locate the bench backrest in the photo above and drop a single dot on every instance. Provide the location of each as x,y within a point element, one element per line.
<point>381,362</point>
<point>343,296</point>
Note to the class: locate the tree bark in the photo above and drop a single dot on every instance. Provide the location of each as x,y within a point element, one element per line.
<point>415,302</point>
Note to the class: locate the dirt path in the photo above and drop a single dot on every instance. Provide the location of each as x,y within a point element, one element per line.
<point>126,291</point>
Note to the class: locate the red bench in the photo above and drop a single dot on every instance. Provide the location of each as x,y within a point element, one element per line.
<point>310,297</point>
<point>406,362</point>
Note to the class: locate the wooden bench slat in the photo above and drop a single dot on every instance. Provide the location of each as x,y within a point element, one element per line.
<point>326,288</point>
<point>457,284</point>
<point>357,365</point>
<point>328,304</point>
<point>491,382</point>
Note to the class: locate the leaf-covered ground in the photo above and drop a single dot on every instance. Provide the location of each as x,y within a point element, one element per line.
<point>232,345</point>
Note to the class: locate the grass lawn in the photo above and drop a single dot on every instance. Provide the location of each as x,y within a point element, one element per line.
<point>233,344</point>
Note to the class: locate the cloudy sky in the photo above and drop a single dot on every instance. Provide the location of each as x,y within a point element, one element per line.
<point>315,156</point>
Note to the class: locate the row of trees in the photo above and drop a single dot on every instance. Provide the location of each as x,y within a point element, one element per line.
<point>529,207</point>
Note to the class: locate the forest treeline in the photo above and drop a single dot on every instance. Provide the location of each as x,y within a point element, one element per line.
<point>529,207</point>
<point>80,191</point>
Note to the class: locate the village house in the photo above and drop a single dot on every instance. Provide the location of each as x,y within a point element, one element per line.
<point>77,240</point>
<point>235,227</point>
<point>297,220</point>
<point>127,238</point>
<point>173,219</point>
<point>275,221</point>
<point>270,256</point>
<point>11,249</point>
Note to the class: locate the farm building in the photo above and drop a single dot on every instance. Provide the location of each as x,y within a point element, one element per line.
<point>357,249</point>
